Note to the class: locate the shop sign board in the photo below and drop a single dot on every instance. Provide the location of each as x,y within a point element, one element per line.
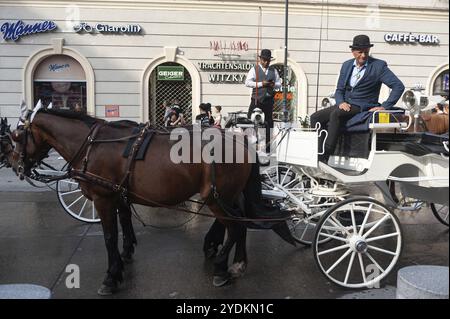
<point>112,111</point>
<point>226,72</point>
<point>170,73</point>
<point>15,30</point>
<point>425,39</point>
<point>132,29</point>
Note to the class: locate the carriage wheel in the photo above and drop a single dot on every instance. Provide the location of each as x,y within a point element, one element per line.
<point>440,212</point>
<point>301,226</point>
<point>365,246</point>
<point>74,202</point>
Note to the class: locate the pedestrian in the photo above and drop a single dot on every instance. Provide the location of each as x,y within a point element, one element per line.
<point>177,108</point>
<point>263,80</point>
<point>203,117</point>
<point>217,116</point>
<point>358,90</point>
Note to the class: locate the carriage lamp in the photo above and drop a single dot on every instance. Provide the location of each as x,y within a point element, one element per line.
<point>329,101</point>
<point>415,101</point>
<point>257,116</point>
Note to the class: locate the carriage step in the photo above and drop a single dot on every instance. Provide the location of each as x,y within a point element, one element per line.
<point>422,282</point>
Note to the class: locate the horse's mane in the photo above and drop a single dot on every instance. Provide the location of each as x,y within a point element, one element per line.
<point>88,120</point>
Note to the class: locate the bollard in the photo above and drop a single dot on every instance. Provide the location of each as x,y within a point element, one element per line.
<point>24,291</point>
<point>422,282</point>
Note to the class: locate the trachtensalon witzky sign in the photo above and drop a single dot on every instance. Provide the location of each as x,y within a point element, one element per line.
<point>15,30</point>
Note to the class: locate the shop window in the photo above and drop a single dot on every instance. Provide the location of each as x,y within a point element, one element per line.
<point>169,82</point>
<point>292,95</point>
<point>60,80</point>
<point>440,86</point>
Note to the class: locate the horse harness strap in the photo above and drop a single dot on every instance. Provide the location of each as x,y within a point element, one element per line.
<point>91,140</point>
<point>122,187</point>
<point>103,182</point>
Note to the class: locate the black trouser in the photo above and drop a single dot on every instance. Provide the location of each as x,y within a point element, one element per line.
<point>267,108</point>
<point>335,118</point>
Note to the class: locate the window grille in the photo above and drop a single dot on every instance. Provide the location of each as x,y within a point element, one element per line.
<point>161,91</point>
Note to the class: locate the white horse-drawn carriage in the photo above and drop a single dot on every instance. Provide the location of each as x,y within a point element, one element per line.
<point>356,239</point>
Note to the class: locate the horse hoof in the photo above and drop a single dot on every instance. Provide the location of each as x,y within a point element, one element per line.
<point>219,281</point>
<point>127,258</point>
<point>237,270</point>
<point>106,290</point>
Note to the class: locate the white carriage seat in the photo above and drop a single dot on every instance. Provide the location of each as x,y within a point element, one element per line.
<point>358,139</point>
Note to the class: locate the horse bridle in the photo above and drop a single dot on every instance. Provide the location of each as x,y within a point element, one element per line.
<point>22,154</point>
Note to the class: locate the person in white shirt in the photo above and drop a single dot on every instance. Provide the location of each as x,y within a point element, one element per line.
<point>263,80</point>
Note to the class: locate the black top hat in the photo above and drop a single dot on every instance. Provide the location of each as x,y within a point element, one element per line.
<point>361,41</point>
<point>266,54</point>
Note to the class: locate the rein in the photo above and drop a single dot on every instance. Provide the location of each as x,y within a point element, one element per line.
<point>103,182</point>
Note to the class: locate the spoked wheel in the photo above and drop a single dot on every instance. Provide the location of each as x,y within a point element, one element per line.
<point>287,177</point>
<point>440,212</point>
<point>74,202</point>
<point>365,246</point>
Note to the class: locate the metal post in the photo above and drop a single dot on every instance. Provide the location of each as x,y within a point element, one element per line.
<point>285,75</point>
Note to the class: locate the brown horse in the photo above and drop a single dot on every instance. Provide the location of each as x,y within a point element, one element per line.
<point>154,181</point>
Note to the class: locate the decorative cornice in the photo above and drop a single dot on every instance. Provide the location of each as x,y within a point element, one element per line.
<point>308,8</point>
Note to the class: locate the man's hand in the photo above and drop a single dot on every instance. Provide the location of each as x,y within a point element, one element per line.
<point>345,106</point>
<point>377,108</point>
<point>268,83</point>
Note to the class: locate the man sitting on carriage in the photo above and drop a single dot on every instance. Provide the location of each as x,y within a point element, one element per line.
<point>357,91</point>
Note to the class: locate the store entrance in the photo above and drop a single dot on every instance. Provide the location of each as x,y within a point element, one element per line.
<point>292,95</point>
<point>170,82</point>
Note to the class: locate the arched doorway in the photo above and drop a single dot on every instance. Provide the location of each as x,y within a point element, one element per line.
<point>60,80</point>
<point>440,85</point>
<point>170,82</point>
<point>30,73</point>
<point>438,81</point>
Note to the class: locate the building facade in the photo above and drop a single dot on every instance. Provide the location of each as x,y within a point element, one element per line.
<point>122,58</point>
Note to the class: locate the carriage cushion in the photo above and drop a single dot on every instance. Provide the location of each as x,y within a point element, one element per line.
<point>144,146</point>
<point>361,121</point>
<point>417,144</point>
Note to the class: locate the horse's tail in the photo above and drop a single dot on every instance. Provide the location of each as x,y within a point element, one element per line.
<point>254,206</point>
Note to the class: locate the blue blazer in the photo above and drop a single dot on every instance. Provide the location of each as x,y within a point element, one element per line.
<point>366,92</point>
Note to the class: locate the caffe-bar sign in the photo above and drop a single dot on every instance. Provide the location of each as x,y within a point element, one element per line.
<point>15,30</point>
<point>425,39</point>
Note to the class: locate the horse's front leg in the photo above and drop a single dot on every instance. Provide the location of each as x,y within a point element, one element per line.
<point>129,237</point>
<point>107,210</point>
<point>213,239</point>
<point>239,265</point>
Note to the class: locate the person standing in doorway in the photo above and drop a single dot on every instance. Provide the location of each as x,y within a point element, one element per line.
<point>263,80</point>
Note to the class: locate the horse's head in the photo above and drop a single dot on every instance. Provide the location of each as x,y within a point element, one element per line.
<point>6,145</point>
<point>30,146</point>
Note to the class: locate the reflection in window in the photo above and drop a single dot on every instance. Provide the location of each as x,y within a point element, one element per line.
<point>440,86</point>
<point>62,95</point>
<point>292,95</point>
